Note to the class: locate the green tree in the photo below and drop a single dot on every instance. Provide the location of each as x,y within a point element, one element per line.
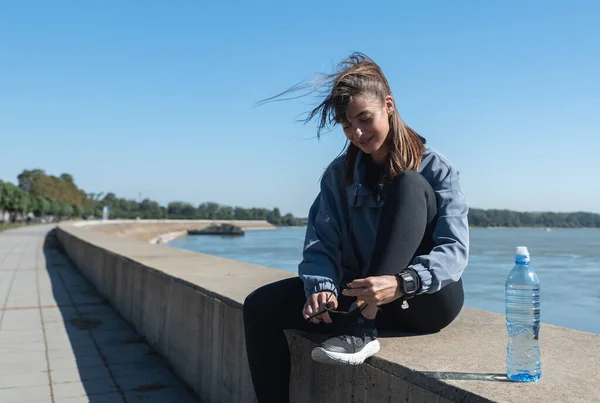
<point>27,178</point>
<point>289,219</point>
<point>174,209</point>
<point>42,205</point>
<point>274,217</point>
<point>150,209</point>
<point>22,201</point>
<point>187,211</point>
<point>9,197</point>
<point>65,209</point>
<point>77,211</point>
<point>212,209</point>
<point>67,178</point>
<point>240,213</point>
<point>225,213</point>
<point>55,207</point>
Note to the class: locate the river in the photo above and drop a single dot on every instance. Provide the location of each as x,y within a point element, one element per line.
<point>567,262</point>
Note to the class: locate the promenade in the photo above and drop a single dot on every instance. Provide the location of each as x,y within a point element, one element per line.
<point>60,342</point>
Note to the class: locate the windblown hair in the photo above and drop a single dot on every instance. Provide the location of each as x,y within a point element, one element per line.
<point>355,76</point>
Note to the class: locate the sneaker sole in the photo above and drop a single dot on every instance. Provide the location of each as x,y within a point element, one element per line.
<point>321,355</point>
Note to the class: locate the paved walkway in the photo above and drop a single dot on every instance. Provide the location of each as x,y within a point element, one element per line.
<point>60,342</point>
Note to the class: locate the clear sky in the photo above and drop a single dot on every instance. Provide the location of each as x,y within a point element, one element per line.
<point>158,98</point>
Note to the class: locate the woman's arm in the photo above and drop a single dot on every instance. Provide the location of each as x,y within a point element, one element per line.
<point>449,257</point>
<point>321,266</point>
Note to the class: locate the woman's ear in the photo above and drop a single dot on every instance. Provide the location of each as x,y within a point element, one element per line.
<point>389,104</point>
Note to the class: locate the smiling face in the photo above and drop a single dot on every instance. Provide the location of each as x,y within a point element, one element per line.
<point>367,124</point>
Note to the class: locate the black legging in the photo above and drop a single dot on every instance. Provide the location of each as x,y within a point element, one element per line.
<point>405,230</point>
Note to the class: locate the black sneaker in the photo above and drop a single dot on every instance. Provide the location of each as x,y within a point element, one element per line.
<point>354,340</point>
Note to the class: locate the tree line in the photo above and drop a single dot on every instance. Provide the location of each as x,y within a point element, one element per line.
<point>20,203</point>
<point>508,218</point>
<point>149,209</point>
<point>39,195</point>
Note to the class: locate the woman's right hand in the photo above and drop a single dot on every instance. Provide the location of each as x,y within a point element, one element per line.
<point>320,301</point>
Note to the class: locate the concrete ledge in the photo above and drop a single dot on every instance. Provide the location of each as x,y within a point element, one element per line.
<point>188,306</point>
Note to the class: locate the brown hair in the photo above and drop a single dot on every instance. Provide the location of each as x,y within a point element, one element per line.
<point>355,76</point>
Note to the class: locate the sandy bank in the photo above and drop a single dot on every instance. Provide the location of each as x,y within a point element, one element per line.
<point>161,231</point>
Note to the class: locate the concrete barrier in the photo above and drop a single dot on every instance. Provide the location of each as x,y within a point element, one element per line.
<point>188,306</point>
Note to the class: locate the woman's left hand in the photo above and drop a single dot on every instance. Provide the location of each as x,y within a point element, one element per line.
<point>380,290</point>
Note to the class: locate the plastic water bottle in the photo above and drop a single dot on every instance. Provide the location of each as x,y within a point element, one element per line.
<point>522,290</point>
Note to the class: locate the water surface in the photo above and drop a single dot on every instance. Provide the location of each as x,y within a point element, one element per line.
<point>567,262</point>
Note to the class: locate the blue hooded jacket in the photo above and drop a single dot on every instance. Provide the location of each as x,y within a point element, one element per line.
<point>342,211</point>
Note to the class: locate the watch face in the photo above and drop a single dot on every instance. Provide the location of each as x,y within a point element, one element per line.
<point>408,283</point>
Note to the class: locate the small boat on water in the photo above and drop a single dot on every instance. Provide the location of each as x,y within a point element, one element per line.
<point>222,230</point>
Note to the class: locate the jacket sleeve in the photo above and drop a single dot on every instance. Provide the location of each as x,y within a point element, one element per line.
<point>449,256</point>
<point>321,266</point>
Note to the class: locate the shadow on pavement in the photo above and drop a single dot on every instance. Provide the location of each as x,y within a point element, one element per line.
<point>92,351</point>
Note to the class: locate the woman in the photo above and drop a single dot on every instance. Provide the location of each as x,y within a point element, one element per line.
<point>386,243</point>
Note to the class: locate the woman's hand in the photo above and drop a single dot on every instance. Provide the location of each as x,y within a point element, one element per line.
<point>379,290</point>
<point>320,301</point>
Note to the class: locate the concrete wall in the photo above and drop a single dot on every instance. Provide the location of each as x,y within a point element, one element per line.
<point>188,306</point>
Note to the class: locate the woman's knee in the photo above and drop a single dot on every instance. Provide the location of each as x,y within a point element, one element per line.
<point>411,179</point>
<point>410,189</point>
<point>413,185</point>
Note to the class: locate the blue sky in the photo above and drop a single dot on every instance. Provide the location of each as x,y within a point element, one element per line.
<point>158,98</point>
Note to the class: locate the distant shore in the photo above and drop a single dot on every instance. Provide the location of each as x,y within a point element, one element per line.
<point>476,227</point>
<point>540,228</point>
<point>472,227</point>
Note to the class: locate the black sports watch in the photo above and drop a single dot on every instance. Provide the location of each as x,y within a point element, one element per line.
<point>407,283</point>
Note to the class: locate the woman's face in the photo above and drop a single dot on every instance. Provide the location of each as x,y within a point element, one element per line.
<point>367,124</point>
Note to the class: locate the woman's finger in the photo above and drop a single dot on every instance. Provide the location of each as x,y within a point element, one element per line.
<point>360,283</point>
<point>315,305</point>
<point>317,319</point>
<point>321,299</point>
<point>328,302</point>
<point>310,305</point>
<point>332,302</point>
<point>307,310</point>
<point>315,308</point>
<point>355,292</point>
